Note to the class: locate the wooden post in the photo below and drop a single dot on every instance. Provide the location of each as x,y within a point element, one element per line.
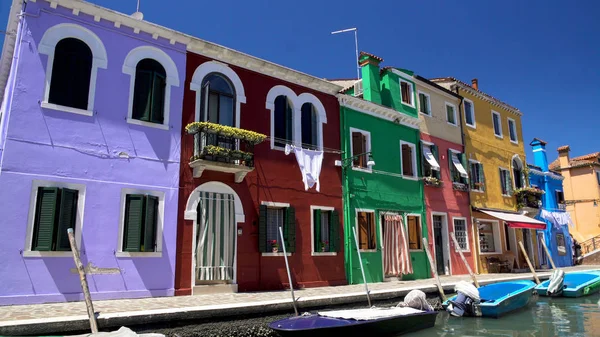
<point>464,260</point>
<point>287,267</point>
<point>84,285</point>
<point>537,280</point>
<point>548,253</point>
<point>434,270</point>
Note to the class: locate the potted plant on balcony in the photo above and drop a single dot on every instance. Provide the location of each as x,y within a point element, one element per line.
<point>324,245</point>
<point>528,197</point>
<point>459,186</point>
<point>274,246</point>
<point>478,185</point>
<point>432,181</point>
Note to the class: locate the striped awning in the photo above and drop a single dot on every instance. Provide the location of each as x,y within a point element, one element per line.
<point>516,220</point>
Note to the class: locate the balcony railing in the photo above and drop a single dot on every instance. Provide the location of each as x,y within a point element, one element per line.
<point>562,206</point>
<point>529,197</point>
<point>223,148</point>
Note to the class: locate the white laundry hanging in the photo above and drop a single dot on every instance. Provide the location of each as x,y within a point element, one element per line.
<point>557,218</point>
<point>309,162</point>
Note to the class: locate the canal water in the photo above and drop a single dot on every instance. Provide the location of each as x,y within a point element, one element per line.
<point>543,317</point>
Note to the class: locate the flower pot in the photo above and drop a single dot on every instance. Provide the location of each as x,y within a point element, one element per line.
<point>323,249</point>
<point>275,249</point>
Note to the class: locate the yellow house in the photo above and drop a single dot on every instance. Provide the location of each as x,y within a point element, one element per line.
<point>497,167</point>
<point>581,192</point>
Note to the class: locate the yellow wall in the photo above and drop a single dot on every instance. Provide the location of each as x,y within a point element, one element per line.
<point>581,184</point>
<point>437,124</point>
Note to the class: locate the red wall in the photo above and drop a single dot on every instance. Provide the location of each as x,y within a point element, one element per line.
<point>276,178</point>
<point>446,200</point>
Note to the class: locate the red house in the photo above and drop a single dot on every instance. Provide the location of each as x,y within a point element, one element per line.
<point>236,191</point>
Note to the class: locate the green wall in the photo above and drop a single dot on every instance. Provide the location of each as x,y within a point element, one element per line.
<point>381,190</point>
<point>390,92</point>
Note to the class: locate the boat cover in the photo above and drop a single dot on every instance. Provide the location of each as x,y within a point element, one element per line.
<point>370,314</point>
<point>122,332</point>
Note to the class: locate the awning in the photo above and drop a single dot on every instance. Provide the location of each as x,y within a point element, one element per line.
<point>516,220</point>
<point>430,158</point>
<point>459,166</point>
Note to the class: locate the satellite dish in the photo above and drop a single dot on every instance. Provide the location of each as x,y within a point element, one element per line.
<point>138,16</point>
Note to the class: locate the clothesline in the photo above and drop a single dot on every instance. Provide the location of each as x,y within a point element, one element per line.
<point>305,145</point>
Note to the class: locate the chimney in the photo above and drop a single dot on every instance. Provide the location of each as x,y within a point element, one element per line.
<point>539,154</point>
<point>475,84</point>
<point>371,81</point>
<point>563,156</point>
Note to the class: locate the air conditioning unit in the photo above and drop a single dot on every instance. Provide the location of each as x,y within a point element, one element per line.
<point>358,88</point>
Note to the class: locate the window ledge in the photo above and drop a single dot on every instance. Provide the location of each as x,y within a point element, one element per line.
<point>499,137</point>
<point>276,254</point>
<point>410,105</point>
<point>410,177</point>
<point>368,250</point>
<point>425,114</point>
<point>516,142</point>
<point>63,108</point>
<point>476,191</point>
<point>148,124</point>
<point>35,253</point>
<point>415,250</point>
<point>361,169</point>
<point>507,196</point>
<point>472,126</point>
<point>464,251</point>
<point>490,253</point>
<point>138,254</point>
<point>323,254</point>
<point>452,124</point>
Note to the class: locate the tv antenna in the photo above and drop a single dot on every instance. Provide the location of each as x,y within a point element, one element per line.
<point>355,30</point>
<point>138,15</point>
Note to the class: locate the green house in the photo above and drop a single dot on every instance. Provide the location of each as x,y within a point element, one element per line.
<point>381,170</point>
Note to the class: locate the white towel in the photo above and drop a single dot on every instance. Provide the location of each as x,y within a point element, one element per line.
<point>309,162</point>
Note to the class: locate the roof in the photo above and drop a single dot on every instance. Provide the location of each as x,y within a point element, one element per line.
<point>585,160</point>
<point>437,86</point>
<point>344,83</point>
<point>539,140</point>
<point>370,55</point>
<point>563,148</point>
<point>477,91</point>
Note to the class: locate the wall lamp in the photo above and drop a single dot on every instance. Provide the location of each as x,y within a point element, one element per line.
<point>345,162</point>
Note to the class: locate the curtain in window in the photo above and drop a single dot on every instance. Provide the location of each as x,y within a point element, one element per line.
<point>396,256</point>
<point>215,237</point>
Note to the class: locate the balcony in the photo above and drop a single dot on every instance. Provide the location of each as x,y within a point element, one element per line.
<point>223,149</point>
<point>529,200</point>
<point>562,206</point>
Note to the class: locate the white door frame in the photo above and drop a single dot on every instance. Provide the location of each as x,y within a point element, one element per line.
<point>445,239</point>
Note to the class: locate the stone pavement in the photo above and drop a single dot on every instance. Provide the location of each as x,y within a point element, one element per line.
<point>72,316</point>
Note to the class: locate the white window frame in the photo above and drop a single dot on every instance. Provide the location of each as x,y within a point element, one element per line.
<point>130,67</point>
<point>497,241</point>
<point>446,105</point>
<point>367,134</point>
<point>468,249</point>
<point>500,168</point>
<point>160,220</point>
<point>474,125</point>
<point>35,184</point>
<point>514,123</point>
<point>414,161</point>
<point>366,210</point>
<point>446,239</point>
<point>312,230</point>
<point>47,46</point>
<point>420,227</point>
<point>296,101</point>
<point>469,172</point>
<point>274,204</point>
<point>496,113</point>
<point>412,93</point>
<point>419,92</point>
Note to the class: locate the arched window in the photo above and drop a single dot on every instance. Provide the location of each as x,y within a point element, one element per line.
<point>71,73</point>
<point>149,92</point>
<point>218,100</point>
<point>283,121</point>
<point>518,173</point>
<point>309,125</point>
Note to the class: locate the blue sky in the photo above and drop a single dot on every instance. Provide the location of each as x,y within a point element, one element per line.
<point>540,56</point>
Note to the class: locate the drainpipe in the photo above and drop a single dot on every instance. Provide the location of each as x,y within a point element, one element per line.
<point>454,88</point>
<point>345,195</point>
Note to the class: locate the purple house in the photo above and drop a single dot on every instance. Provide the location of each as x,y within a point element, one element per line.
<point>90,126</point>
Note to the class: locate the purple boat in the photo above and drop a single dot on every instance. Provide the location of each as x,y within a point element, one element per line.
<point>380,322</point>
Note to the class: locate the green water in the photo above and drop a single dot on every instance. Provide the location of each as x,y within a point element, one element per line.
<point>543,317</point>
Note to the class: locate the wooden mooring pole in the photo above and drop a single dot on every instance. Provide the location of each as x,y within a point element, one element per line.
<point>537,280</point>
<point>84,284</point>
<point>287,267</point>
<point>548,254</point>
<point>464,260</point>
<point>434,270</point>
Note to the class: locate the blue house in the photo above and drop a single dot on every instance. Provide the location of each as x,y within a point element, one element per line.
<point>556,235</point>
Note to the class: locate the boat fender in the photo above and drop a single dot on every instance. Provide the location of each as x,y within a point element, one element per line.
<point>556,284</point>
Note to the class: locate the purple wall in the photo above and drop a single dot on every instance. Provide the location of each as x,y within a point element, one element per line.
<point>57,146</point>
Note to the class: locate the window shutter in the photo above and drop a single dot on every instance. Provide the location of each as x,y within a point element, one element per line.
<point>262,229</point>
<point>463,160</point>
<point>357,141</point>
<point>150,223</point>
<point>290,226</point>
<point>509,183</point>
<point>435,152</point>
<point>142,95</point>
<point>134,215</point>
<point>481,176</point>
<point>45,218</point>
<point>158,98</point>
<point>66,218</point>
<point>451,166</point>
<point>317,229</point>
<point>334,231</point>
<point>421,161</point>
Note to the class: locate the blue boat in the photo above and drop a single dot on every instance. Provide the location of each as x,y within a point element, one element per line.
<point>576,284</point>
<point>501,298</point>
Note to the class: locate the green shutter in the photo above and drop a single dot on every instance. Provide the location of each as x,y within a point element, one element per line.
<point>262,229</point>
<point>509,183</point>
<point>482,176</point>
<point>334,231</point>
<point>317,229</point>
<point>66,217</point>
<point>134,216</point>
<point>290,226</point>
<point>434,151</point>
<point>463,160</point>
<point>451,166</point>
<point>150,223</point>
<point>45,218</point>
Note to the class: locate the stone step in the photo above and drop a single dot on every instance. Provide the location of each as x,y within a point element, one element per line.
<point>207,289</point>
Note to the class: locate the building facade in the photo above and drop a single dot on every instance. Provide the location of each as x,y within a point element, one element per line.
<point>239,185</point>
<point>445,177</point>
<point>582,192</point>
<point>383,192</point>
<point>496,165</point>
<point>89,137</point>
<point>553,211</point>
